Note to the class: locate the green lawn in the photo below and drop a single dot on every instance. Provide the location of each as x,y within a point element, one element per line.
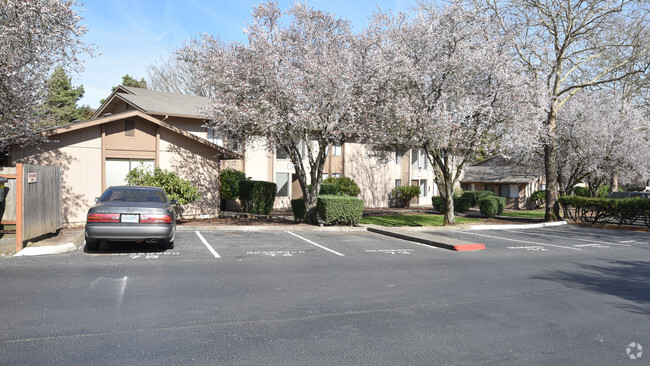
<point>528,214</point>
<point>412,220</point>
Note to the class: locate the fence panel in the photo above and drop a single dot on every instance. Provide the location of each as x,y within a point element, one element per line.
<point>42,201</point>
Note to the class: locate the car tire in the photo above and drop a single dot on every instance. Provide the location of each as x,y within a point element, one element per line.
<point>168,244</point>
<point>92,245</point>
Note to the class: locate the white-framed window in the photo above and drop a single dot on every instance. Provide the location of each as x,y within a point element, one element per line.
<point>398,182</point>
<point>117,169</point>
<point>214,137</point>
<point>337,149</point>
<point>336,175</point>
<point>398,158</point>
<point>423,188</point>
<point>419,159</point>
<point>325,176</point>
<point>282,181</point>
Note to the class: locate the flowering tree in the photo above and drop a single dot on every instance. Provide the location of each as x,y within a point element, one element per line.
<point>600,137</point>
<point>35,36</point>
<point>292,84</point>
<point>574,45</point>
<point>443,81</point>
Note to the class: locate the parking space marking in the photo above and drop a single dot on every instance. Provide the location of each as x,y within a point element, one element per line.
<point>564,237</point>
<point>522,241</point>
<point>531,248</point>
<point>390,251</point>
<point>318,245</point>
<point>210,248</point>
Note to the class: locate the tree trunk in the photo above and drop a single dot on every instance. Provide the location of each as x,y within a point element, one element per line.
<point>311,199</point>
<point>550,167</point>
<point>613,183</point>
<point>448,200</point>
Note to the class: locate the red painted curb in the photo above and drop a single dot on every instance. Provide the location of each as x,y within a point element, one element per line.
<point>468,247</point>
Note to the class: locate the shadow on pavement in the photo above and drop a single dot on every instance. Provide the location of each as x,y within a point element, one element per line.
<point>628,280</point>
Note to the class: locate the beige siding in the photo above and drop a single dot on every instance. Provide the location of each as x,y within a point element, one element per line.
<point>79,155</point>
<point>374,177</point>
<point>196,163</point>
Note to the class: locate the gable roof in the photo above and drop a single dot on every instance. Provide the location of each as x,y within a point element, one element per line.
<point>156,102</point>
<point>220,151</point>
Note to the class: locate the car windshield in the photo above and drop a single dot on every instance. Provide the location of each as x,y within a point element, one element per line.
<point>132,195</point>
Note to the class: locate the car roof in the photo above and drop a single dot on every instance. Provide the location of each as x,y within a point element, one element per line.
<point>136,187</point>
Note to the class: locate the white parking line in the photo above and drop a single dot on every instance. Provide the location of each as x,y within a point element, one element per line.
<point>210,248</point>
<point>564,237</point>
<point>318,245</point>
<point>521,241</point>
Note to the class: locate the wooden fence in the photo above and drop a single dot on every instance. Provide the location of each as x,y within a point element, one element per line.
<point>33,200</point>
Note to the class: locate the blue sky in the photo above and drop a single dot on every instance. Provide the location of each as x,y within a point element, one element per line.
<point>132,34</point>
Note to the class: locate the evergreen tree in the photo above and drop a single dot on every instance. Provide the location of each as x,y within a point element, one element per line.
<point>60,104</point>
<point>127,80</point>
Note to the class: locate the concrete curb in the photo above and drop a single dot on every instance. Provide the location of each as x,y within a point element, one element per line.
<point>427,238</point>
<point>45,250</point>
<point>52,249</point>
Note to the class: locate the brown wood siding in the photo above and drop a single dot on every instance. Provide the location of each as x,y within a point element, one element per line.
<point>141,145</point>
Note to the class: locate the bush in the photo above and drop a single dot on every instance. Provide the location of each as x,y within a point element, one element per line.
<point>256,196</point>
<point>604,210</point>
<point>299,209</point>
<point>461,204</point>
<point>176,187</point>
<point>489,206</point>
<point>437,203</point>
<point>501,201</point>
<point>580,192</point>
<point>329,189</point>
<point>347,186</point>
<point>538,198</point>
<point>343,210</point>
<point>401,196</point>
<point>603,191</point>
<point>229,183</point>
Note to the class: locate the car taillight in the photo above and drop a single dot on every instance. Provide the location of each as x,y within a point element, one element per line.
<point>156,219</point>
<point>103,217</point>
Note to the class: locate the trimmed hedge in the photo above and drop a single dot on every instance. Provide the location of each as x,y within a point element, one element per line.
<point>257,196</point>
<point>340,210</point>
<point>605,210</point>
<point>299,209</point>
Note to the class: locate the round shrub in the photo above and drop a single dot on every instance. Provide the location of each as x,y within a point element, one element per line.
<point>329,189</point>
<point>538,198</point>
<point>346,185</point>
<point>401,196</point>
<point>578,191</point>
<point>489,206</point>
<point>462,204</point>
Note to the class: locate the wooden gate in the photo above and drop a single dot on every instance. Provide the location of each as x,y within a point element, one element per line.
<point>33,200</point>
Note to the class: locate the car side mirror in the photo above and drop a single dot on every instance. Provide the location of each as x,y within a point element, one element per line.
<point>174,202</point>
<point>96,199</point>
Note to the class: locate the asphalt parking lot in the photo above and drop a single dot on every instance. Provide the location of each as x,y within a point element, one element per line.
<point>561,295</point>
<point>247,245</point>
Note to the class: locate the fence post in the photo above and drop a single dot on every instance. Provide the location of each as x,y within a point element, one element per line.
<point>19,207</point>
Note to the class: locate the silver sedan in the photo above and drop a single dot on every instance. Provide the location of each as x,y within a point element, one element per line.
<point>131,213</point>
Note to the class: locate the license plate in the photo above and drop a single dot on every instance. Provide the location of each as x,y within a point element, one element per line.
<point>130,218</point>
